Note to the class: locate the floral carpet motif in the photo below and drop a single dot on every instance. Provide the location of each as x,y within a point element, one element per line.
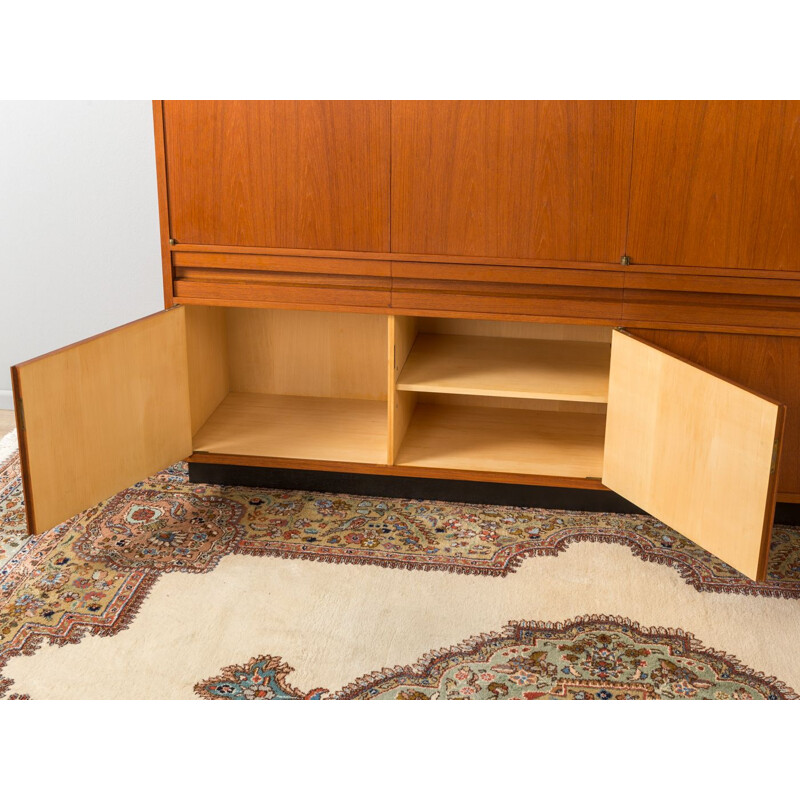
<point>261,678</point>
<point>590,658</point>
<point>92,573</point>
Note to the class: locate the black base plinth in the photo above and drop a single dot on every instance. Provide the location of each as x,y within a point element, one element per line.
<point>484,493</point>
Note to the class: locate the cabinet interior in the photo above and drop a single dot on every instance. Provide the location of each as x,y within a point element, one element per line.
<point>419,392</point>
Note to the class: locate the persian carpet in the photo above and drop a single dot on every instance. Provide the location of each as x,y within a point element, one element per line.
<point>199,591</point>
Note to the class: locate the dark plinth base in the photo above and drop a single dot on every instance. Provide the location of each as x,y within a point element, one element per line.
<point>502,494</point>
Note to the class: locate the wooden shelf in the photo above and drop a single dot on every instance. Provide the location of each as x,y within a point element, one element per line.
<point>289,426</point>
<point>566,444</point>
<point>499,367</point>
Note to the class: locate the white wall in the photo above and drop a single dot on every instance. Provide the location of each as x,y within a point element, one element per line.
<point>79,239</point>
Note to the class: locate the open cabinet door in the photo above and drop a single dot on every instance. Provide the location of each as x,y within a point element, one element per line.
<point>100,415</point>
<point>694,450</point>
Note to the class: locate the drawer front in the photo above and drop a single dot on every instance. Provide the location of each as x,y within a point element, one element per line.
<point>267,280</point>
<point>588,295</point>
<point>712,301</point>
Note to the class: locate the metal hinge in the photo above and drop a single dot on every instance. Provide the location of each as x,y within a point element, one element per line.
<point>625,261</point>
<point>774,462</point>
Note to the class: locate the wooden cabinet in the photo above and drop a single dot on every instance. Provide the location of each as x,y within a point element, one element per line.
<point>534,180</point>
<point>715,184</point>
<point>474,343</point>
<point>285,174</point>
<point>398,394</point>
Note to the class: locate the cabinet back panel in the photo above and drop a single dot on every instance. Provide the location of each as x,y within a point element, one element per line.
<point>310,353</point>
<point>514,330</point>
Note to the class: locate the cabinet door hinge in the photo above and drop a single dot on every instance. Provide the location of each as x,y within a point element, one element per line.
<point>773,465</point>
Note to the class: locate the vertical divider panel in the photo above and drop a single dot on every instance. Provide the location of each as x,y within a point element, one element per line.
<point>402,332</point>
<point>207,355</point>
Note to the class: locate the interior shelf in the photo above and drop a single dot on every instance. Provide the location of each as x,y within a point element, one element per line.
<point>568,444</point>
<point>289,426</point>
<point>502,367</point>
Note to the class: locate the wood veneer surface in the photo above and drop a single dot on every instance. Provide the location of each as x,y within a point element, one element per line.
<point>291,174</point>
<point>493,366</point>
<point>715,184</point>
<point>286,426</point>
<point>520,179</point>
<point>504,440</point>
<point>767,364</point>
<point>693,450</point>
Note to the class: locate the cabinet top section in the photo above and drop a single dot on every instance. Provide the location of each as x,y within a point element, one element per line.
<point>687,184</point>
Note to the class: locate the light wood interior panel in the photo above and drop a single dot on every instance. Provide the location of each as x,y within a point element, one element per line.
<point>512,402</point>
<point>486,365</point>
<point>402,334</point>
<point>310,353</point>
<point>504,440</point>
<point>284,426</point>
<point>102,414</point>
<point>207,353</point>
<point>769,365</point>
<point>693,450</point>
<point>515,330</point>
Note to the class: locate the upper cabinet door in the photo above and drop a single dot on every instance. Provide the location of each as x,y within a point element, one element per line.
<point>290,174</point>
<point>511,179</point>
<point>715,184</point>
<point>694,450</point>
<point>100,415</point>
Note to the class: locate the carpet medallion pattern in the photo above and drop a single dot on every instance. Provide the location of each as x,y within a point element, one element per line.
<point>92,573</point>
<point>590,658</point>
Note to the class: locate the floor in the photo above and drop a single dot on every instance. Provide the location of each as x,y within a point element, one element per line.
<point>6,422</point>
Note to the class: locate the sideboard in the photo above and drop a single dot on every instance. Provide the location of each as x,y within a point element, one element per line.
<point>579,295</point>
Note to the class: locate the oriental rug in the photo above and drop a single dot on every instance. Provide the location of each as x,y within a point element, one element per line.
<point>379,598</point>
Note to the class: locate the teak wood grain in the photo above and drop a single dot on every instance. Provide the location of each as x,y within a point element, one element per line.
<point>693,450</point>
<point>293,174</point>
<point>716,184</point>
<point>516,179</point>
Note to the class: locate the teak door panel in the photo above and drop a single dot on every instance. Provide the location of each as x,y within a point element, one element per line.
<point>694,450</point>
<point>715,184</point>
<point>97,416</point>
<point>287,174</point>
<point>513,179</point>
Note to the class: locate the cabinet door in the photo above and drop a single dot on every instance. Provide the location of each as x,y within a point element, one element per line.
<point>511,179</point>
<point>769,365</point>
<point>99,415</point>
<point>694,450</point>
<point>714,184</point>
<point>286,174</point>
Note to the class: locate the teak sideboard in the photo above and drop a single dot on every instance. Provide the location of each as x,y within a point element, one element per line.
<point>587,296</point>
